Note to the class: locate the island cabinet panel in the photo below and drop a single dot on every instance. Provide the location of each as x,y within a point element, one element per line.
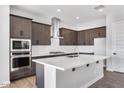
<point>20,27</point>
<point>80,77</point>
<point>70,37</point>
<point>40,34</point>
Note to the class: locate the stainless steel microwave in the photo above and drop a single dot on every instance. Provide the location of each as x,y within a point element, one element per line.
<point>20,45</point>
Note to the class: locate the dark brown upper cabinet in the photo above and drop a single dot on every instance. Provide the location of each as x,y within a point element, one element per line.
<point>69,37</point>
<point>40,34</point>
<point>81,38</point>
<point>89,40</point>
<point>99,32</point>
<point>86,37</point>
<point>20,27</point>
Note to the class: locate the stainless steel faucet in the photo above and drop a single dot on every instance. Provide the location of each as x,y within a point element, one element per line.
<point>78,53</point>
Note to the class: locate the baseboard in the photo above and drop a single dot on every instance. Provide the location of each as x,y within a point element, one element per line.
<point>92,81</point>
<point>109,69</point>
<point>4,83</point>
<point>118,71</point>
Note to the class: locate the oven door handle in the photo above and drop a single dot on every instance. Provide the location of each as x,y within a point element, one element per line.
<point>20,56</point>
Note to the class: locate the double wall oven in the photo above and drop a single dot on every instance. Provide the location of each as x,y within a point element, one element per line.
<point>20,54</point>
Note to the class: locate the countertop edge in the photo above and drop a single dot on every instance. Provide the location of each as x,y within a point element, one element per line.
<point>56,55</point>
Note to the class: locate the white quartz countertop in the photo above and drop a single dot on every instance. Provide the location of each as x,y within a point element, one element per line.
<point>65,63</point>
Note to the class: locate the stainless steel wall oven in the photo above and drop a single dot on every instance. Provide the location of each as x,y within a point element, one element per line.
<point>20,54</point>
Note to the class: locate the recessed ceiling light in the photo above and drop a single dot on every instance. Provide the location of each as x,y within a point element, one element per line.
<point>58,10</point>
<point>100,8</point>
<point>77,17</point>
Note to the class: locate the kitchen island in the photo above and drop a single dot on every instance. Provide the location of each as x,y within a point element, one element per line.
<point>69,72</point>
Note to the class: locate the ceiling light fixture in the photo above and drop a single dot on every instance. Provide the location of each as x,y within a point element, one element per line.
<point>58,10</point>
<point>77,17</point>
<point>100,8</point>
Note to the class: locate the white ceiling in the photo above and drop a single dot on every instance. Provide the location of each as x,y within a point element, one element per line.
<point>68,13</point>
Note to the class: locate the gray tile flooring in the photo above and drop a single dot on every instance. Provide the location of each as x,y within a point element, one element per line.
<point>110,80</point>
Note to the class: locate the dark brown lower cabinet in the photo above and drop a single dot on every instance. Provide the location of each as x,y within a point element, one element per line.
<point>33,68</point>
<point>25,72</point>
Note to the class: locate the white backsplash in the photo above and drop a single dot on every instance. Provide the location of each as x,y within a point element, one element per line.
<point>44,50</point>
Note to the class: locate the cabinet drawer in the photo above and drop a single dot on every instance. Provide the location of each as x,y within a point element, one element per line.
<point>20,74</point>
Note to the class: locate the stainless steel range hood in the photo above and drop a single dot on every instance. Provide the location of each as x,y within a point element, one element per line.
<point>55,27</point>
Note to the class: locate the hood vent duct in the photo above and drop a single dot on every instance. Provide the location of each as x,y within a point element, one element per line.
<point>55,27</point>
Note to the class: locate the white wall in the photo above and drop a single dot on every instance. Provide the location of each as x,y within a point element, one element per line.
<point>110,19</point>
<point>4,44</point>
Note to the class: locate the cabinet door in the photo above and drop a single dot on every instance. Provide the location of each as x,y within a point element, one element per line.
<point>21,73</point>
<point>20,27</point>
<point>99,32</point>
<point>40,34</point>
<point>33,68</point>
<point>45,35</point>
<point>81,38</point>
<point>89,38</point>
<point>70,37</point>
<point>36,29</point>
<point>102,32</point>
<point>64,40</point>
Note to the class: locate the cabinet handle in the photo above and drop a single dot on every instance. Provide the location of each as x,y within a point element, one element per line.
<point>21,33</point>
<point>97,62</point>
<point>98,33</point>
<point>114,53</point>
<point>73,69</point>
<point>88,65</point>
<point>37,41</point>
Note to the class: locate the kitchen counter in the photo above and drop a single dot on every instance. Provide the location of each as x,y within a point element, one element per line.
<point>69,72</point>
<point>65,62</point>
